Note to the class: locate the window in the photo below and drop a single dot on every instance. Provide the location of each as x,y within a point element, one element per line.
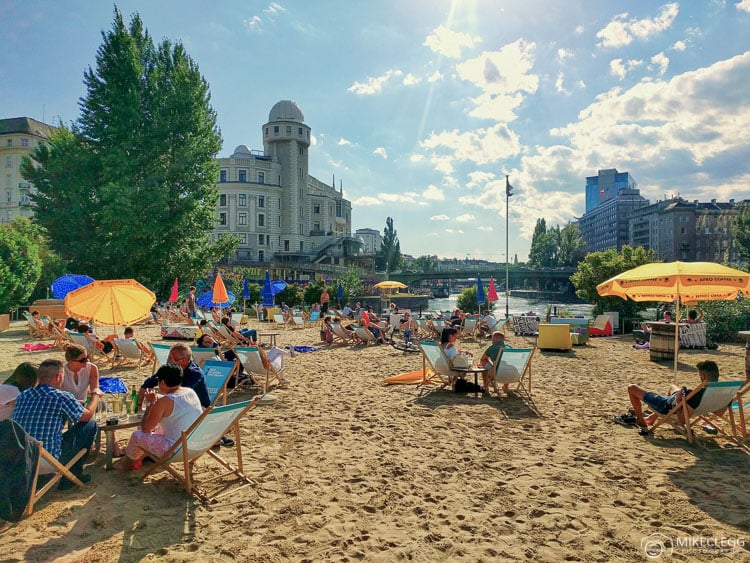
<point>286,246</point>
<point>301,150</point>
<point>243,238</point>
<point>8,194</point>
<point>288,129</point>
<point>223,200</point>
<point>8,161</point>
<point>301,228</point>
<point>339,208</point>
<point>243,176</point>
<point>242,218</point>
<point>24,142</point>
<point>261,239</point>
<point>301,213</point>
<point>223,176</point>
<point>261,201</point>
<point>261,220</point>
<point>242,200</point>
<point>261,256</point>
<point>316,208</point>
<point>10,142</point>
<point>266,131</point>
<point>316,226</point>
<point>275,130</point>
<point>261,177</point>
<point>222,218</point>
<point>299,131</point>
<point>301,246</point>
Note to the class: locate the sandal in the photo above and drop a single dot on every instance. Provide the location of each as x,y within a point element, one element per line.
<point>627,420</point>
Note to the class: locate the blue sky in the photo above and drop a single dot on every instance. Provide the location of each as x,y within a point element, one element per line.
<point>421,107</point>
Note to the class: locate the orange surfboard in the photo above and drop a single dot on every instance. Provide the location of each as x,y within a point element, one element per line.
<point>410,378</point>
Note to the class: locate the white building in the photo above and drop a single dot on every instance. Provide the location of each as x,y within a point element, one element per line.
<point>283,216</point>
<point>371,238</point>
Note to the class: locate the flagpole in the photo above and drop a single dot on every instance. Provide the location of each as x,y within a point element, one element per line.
<point>508,193</point>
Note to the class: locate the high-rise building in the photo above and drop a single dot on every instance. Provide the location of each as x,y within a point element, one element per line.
<point>19,136</point>
<point>280,213</point>
<point>606,226</point>
<point>607,185</point>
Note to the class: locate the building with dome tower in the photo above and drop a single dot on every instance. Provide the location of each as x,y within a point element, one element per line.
<point>285,219</point>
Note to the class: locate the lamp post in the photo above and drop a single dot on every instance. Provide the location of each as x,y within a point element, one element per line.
<point>508,193</point>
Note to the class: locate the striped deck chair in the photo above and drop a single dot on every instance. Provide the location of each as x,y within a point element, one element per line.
<point>217,375</point>
<point>262,370</point>
<point>161,354</point>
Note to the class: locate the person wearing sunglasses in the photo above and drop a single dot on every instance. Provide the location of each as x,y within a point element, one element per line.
<point>81,377</point>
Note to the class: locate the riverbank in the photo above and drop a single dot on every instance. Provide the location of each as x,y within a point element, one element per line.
<point>347,468</point>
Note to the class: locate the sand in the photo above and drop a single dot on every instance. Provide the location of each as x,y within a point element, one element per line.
<point>348,469</point>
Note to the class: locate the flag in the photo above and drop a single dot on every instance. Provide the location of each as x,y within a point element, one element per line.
<point>508,187</point>
<point>174,295</point>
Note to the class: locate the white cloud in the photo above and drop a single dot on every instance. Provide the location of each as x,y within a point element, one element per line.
<point>481,146</point>
<point>416,158</point>
<point>449,43</point>
<point>581,84</point>
<point>366,201</point>
<point>253,24</point>
<point>380,151</point>
<point>274,8</point>
<point>439,218</point>
<point>435,76</point>
<point>621,31</point>
<point>343,141</point>
<point>374,85</point>
<point>559,83</point>
<point>563,54</point>
<point>660,61</point>
<point>681,45</point>
<point>479,178</point>
<point>579,30</point>
<point>744,6</point>
<point>433,193</point>
<point>619,69</point>
<point>466,218</point>
<point>410,80</point>
<point>454,231</point>
<point>485,228</point>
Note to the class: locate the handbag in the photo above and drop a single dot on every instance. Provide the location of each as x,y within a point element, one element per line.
<point>462,360</point>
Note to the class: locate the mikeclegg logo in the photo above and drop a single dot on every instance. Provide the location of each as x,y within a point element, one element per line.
<point>657,545</point>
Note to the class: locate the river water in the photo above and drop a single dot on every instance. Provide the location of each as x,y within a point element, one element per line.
<point>517,306</point>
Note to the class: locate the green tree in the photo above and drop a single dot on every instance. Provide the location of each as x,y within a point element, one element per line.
<point>20,264</point>
<point>598,267</point>
<point>741,229</point>
<point>467,301</point>
<point>425,264</point>
<point>313,292</point>
<point>129,190</point>
<point>389,256</point>
<point>544,245</point>
<point>571,247</point>
<point>351,283</point>
<point>291,295</point>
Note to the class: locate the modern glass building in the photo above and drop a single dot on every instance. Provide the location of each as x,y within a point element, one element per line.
<point>607,185</point>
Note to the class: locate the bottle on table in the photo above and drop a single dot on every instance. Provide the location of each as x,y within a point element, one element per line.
<point>134,399</point>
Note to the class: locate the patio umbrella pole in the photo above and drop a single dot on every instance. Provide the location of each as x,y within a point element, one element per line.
<point>676,333</point>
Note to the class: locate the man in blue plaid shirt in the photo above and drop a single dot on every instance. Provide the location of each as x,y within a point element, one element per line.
<point>43,410</point>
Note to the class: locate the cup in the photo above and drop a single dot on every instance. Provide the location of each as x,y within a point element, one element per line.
<point>117,406</point>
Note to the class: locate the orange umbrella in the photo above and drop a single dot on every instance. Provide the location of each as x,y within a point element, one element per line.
<point>220,291</point>
<point>111,302</point>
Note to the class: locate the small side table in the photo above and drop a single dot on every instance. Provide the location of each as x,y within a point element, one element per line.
<point>109,433</point>
<point>271,337</point>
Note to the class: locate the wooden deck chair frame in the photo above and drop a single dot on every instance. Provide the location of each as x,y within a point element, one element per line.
<point>520,358</point>
<point>469,327</point>
<point>236,319</point>
<point>340,336</point>
<point>718,395</point>
<point>61,337</point>
<point>314,318</point>
<point>203,434</point>
<point>92,351</point>
<point>742,408</point>
<point>128,351</point>
<point>35,331</point>
<point>278,320</point>
<point>48,461</point>
<point>436,368</point>
<point>365,336</point>
<point>258,366</point>
<point>298,321</point>
<point>161,353</point>
<point>217,374</point>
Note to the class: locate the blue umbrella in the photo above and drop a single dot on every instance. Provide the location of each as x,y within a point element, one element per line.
<point>480,292</point>
<point>340,293</point>
<point>266,292</point>
<point>207,300</point>
<point>67,283</point>
<point>246,291</point>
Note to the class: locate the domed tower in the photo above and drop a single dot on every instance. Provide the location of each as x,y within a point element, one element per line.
<point>286,138</point>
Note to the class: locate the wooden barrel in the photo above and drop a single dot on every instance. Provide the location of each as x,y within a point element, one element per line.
<point>662,342</point>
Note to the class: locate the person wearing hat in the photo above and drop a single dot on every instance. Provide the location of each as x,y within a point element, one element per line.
<point>165,418</point>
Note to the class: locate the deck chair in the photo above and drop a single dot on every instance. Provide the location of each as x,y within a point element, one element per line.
<point>364,334</point>
<point>298,321</point>
<point>423,326</point>
<point>202,355</point>
<point>217,375</point>
<point>602,326</point>
<point>161,354</point>
<point>61,337</point>
<point>278,320</point>
<point>340,336</point>
<point>513,365</point>
<point>93,352</point>
<point>34,330</point>
<point>718,395</point>
<point>236,319</point>
<point>314,317</point>
<point>261,370</point>
<point>470,326</point>
<point>128,351</point>
<point>215,422</point>
<point>436,367</point>
<point>47,464</point>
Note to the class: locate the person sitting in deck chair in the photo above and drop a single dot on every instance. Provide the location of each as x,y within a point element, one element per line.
<point>662,404</point>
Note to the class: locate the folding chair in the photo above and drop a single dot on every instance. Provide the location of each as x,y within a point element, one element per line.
<point>92,351</point>
<point>717,396</point>
<point>259,367</point>
<point>202,355</point>
<point>129,353</point>
<point>519,359</point>
<point>440,372</point>
<point>340,335</point>
<point>161,354</point>
<point>203,434</point>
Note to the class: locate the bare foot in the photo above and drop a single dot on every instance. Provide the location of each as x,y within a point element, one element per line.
<point>127,464</point>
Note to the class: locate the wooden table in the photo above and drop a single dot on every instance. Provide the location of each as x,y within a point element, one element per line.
<point>109,433</point>
<point>270,335</point>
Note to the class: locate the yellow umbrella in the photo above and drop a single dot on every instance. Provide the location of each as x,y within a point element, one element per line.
<point>390,284</point>
<point>686,282</point>
<point>111,302</point>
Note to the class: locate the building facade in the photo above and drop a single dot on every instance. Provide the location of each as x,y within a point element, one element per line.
<point>371,238</point>
<point>606,226</point>
<point>19,136</point>
<point>607,185</point>
<point>284,217</point>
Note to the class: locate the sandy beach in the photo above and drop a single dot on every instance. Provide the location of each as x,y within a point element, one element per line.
<point>349,469</point>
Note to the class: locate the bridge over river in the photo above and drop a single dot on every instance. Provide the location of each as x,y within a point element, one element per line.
<point>549,279</point>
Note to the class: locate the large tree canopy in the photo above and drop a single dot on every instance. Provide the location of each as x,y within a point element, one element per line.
<point>20,263</point>
<point>129,190</point>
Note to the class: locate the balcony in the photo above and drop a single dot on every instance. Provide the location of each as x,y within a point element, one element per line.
<point>24,185</point>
